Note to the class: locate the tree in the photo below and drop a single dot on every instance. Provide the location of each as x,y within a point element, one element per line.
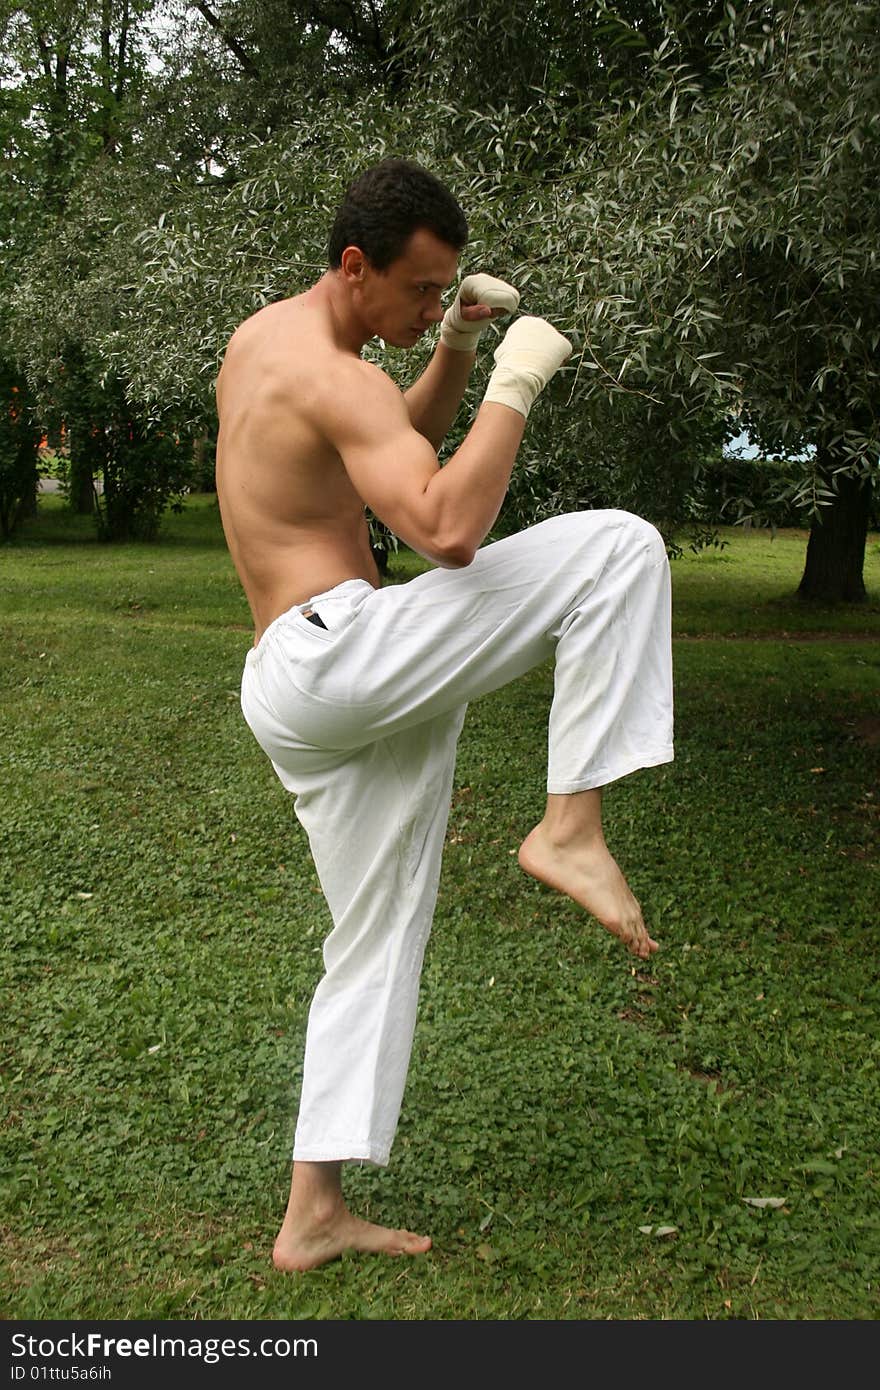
<point>754,207</point>
<point>730,211</point>
<point>689,191</point>
<point>718,237</point>
<point>77,75</point>
<point>19,442</point>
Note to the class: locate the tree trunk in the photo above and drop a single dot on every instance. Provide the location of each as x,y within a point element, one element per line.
<point>29,500</point>
<point>82,488</point>
<point>834,570</point>
<point>58,119</point>
<point>83,463</point>
<point>106,80</point>
<point>203,465</point>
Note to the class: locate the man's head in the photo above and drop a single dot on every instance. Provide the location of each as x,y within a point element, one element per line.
<point>395,245</point>
<point>386,204</point>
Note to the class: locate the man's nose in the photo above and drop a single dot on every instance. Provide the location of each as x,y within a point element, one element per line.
<point>433,311</point>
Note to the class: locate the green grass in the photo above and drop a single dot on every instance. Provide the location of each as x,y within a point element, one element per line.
<point>162,925</point>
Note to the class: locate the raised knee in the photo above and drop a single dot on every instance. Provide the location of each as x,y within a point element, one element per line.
<point>643,533</point>
<point>639,532</point>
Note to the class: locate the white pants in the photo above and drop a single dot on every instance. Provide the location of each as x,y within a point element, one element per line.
<point>361,723</point>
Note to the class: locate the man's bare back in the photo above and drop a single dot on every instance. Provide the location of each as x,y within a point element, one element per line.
<point>294,523</point>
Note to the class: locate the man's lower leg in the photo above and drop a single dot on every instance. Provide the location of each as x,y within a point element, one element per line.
<point>318,1226</point>
<point>567,851</point>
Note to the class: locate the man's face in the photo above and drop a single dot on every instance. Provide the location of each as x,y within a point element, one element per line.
<point>400,303</point>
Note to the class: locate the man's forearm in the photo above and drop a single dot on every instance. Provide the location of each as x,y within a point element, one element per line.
<point>434,399</point>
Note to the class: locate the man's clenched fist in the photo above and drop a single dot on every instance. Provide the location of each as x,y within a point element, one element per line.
<point>527,357</point>
<point>461,330</point>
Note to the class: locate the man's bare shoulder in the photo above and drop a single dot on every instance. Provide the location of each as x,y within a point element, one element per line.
<point>347,385</point>
<point>289,348</point>
<point>280,341</point>
<point>342,396</point>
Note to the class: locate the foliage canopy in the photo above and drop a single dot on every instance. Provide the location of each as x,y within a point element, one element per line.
<point>690,191</point>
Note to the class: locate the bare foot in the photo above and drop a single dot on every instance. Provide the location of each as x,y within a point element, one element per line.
<point>586,872</point>
<point>306,1243</point>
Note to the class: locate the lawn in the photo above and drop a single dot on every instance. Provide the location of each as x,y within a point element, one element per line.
<point>584,1136</point>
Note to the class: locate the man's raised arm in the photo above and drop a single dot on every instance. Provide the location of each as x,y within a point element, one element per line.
<point>433,400</point>
<point>443,513</point>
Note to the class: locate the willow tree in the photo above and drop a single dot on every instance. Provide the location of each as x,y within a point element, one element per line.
<point>796,277</point>
<point>709,242</point>
<point>729,242</point>
<point>714,249</point>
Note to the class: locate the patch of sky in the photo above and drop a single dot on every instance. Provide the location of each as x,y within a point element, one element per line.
<point>743,447</point>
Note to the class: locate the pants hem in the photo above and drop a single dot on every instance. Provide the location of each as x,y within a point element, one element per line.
<point>602,776</point>
<point>342,1153</point>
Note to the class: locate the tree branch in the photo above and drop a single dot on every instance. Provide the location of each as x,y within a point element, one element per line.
<point>123,44</point>
<point>334,24</point>
<point>45,56</point>
<point>378,41</point>
<point>106,76</point>
<point>229,39</point>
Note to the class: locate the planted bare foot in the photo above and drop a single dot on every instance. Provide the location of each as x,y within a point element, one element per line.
<point>586,872</point>
<point>307,1242</point>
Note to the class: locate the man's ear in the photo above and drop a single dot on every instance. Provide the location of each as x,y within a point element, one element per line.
<point>354,264</point>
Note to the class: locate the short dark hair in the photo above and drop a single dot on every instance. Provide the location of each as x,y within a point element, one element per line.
<point>386,204</point>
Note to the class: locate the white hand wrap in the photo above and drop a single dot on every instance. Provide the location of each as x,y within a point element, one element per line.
<point>462,336</point>
<point>527,356</point>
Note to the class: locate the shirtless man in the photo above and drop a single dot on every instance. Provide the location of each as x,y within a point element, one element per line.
<point>358,693</point>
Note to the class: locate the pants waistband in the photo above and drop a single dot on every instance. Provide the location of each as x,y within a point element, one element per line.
<point>344,596</point>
